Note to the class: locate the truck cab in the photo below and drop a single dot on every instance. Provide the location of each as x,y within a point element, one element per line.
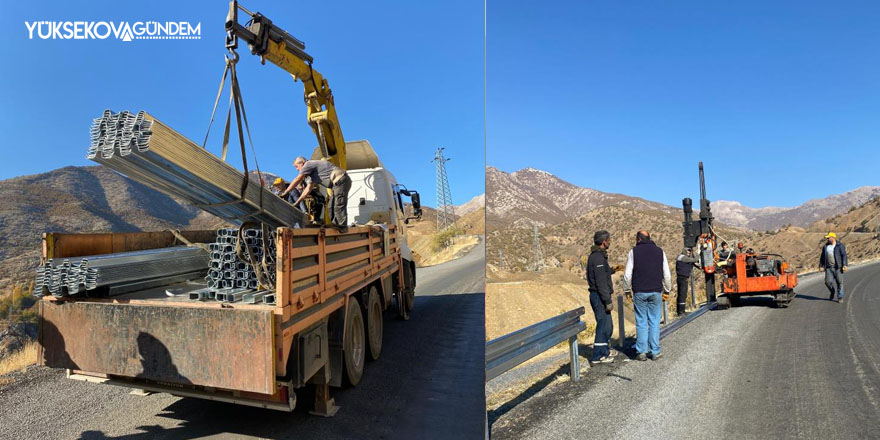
<point>376,197</point>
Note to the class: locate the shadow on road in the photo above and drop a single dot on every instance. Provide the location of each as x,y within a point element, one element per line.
<point>428,383</point>
<point>585,352</point>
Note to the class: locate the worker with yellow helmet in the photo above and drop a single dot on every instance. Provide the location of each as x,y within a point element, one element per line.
<point>278,187</point>
<point>833,261</point>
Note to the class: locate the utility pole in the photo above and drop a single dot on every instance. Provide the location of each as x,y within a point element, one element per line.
<point>445,208</point>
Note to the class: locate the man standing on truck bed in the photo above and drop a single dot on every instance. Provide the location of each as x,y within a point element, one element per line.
<point>833,260</point>
<point>601,288</point>
<point>645,275</point>
<point>326,174</point>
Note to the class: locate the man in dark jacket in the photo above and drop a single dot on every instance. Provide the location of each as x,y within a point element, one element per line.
<point>601,288</point>
<point>684,266</point>
<point>647,280</point>
<point>833,260</point>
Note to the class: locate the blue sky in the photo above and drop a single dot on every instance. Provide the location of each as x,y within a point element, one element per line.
<point>780,100</point>
<point>408,76</point>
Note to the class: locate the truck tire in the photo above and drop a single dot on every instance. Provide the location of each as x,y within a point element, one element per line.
<point>354,352</point>
<point>374,323</point>
<point>722,302</point>
<point>734,300</point>
<point>410,290</point>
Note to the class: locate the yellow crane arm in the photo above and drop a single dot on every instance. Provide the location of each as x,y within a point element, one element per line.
<point>272,43</point>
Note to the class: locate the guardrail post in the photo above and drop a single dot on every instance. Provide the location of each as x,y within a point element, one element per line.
<point>575,363</point>
<point>665,317</point>
<point>693,293</point>
<point>621,328</point>
<point>512,349</point>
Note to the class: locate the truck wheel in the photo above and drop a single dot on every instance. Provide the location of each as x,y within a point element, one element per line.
<point>410,290</point>
<point>355,350</point>
<point>374,323</point>
<point>734,300</point>
<point>722,302</point>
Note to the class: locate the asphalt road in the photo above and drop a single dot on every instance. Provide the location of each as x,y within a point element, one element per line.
<point>809,371</point>
<point>428,383</point>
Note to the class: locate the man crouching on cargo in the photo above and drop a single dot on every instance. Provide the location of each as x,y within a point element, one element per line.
<point>324,173</point>
<point>600,285</point>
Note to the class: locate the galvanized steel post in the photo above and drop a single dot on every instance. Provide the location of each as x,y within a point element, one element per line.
<point>575,366</point>
<point>665,317</point>
<point>621,328</point>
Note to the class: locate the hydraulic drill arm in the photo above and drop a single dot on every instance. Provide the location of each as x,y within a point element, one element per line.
<point>272,43</point>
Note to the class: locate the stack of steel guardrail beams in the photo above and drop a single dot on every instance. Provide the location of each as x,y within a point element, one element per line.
<point>74,276</point>
<point>149,152</point>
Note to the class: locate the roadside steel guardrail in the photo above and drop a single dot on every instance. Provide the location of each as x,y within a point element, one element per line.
<point>508,351</point>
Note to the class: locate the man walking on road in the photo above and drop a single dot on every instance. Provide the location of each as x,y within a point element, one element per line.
<point>684,265</point>
<point>833,260</point>
<point>645,277</point>
<point>601,288</point>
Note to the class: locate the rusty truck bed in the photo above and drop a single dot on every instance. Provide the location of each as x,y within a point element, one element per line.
<point>154,341</point>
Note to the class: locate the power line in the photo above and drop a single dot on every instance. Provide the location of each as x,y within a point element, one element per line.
<point>445,208</point>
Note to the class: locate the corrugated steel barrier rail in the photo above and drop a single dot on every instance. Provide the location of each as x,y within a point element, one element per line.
<point>510,350</point>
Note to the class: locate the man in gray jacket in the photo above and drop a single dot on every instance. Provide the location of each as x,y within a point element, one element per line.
<point>645,277</point>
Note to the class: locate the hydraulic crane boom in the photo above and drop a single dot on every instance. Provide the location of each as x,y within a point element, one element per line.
<point>272,43</point>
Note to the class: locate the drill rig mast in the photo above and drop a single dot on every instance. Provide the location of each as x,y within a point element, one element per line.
<point>699,233</point>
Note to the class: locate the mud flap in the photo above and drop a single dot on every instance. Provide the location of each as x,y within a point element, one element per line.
<point>226,348</point>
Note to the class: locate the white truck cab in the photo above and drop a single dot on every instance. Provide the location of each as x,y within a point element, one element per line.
<point>375,195</point>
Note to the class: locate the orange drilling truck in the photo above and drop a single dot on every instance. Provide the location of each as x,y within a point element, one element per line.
<point>751,273</point>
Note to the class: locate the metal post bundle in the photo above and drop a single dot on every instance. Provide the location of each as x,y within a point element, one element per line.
<point>232,279</point>
<point>69,277</point>
<point>148,151</point>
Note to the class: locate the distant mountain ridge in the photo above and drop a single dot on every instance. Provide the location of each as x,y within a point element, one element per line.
<point>532,196</point>
<point>771,218</point>
<point>471,205</point>
<point>535,196</point>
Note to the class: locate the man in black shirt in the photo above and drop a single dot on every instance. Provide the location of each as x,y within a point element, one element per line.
<point>601,288</point>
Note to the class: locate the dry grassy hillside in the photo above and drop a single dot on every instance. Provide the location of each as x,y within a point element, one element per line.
<point>562,245</point>
<point>864,218</point>
<point>474,222</point>
<point>420,237</point>
<point>80,199</point>
<point>517,296</point>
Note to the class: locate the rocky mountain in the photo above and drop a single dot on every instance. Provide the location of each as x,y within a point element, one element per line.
<point>864,218</point>
<point>533,196</point>
<point>770,218</point>
<point>471,205</point>
<point>81,199</point>
<point>568,215</point>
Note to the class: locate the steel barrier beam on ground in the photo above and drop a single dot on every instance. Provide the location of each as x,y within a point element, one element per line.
<point>508,351</point>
